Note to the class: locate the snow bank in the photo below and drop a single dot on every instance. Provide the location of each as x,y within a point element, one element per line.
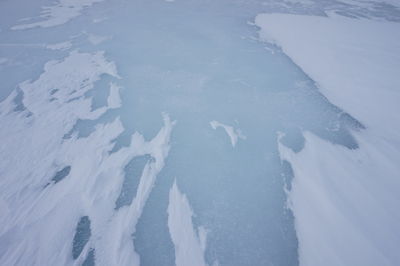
<point>189,243</point>
<point>356,63</point>
<point>345,202</point>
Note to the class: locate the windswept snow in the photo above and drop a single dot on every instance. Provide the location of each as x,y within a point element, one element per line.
<point>355,62</point>
<point>234,134</point>
<point>90,150</point>
<point>345,202</point>
<point>114,99</point>
<point>60,46</point>
<point>189,242</point>
<point>58,14</point>
<point>89,186</point>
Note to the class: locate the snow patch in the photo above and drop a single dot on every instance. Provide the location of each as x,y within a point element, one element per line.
<point>59,46</point>
<point>234,134</point>
<point>58,14</point>
<point>345,202</point>
<point>31,204</point>
<point>189,243</point>
<point>114,99</point>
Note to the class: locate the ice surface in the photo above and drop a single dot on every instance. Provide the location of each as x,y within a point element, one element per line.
<point>58,13</point>
<point>90,94</point>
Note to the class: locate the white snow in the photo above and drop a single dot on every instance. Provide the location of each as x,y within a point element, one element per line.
<point>371,3</point>
<point>114,99</point>
<point>345,202</point>
<point>356,63</point>
<point>33,207</point>
<point>58,14</point>
<point>234,134</point>
<point>59,46</point>
<point>189,243</point>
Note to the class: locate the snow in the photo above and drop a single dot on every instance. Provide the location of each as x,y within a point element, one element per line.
<point>94,169</point>
<point>189,243</point>
<point>60,46</point>
<point>33,205</point>
<point>356,63</point>
<point>234,134</point>
<point>114,99</point>
<point>58,14</point>
<point>345,201</point>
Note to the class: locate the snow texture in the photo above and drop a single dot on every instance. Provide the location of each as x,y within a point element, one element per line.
<point>58,14</point>
<point>189,243</point>
<point>234,134</point>
<point>59,46</point>
<point>31,206</point>
<point>345,202</point>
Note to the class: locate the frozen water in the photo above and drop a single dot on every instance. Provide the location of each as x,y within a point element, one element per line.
<point>81,237</point>
<point>86,85</point>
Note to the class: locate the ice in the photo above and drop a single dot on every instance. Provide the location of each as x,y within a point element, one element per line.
<point>167,133</point>
<point>81,237</point>
<point>58,13</point>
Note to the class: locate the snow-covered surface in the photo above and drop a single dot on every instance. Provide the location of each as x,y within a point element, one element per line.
<point>94,170</point>
<point>345,201</point>
<point>114,99</point>
<point>189,242</point>
<point>59,46</point>
<point>58,13</point>
<point>50,107</point>
<point>356,63</point>
<point>234,134</point>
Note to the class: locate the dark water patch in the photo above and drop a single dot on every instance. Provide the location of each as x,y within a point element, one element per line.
<point>82,236</point>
